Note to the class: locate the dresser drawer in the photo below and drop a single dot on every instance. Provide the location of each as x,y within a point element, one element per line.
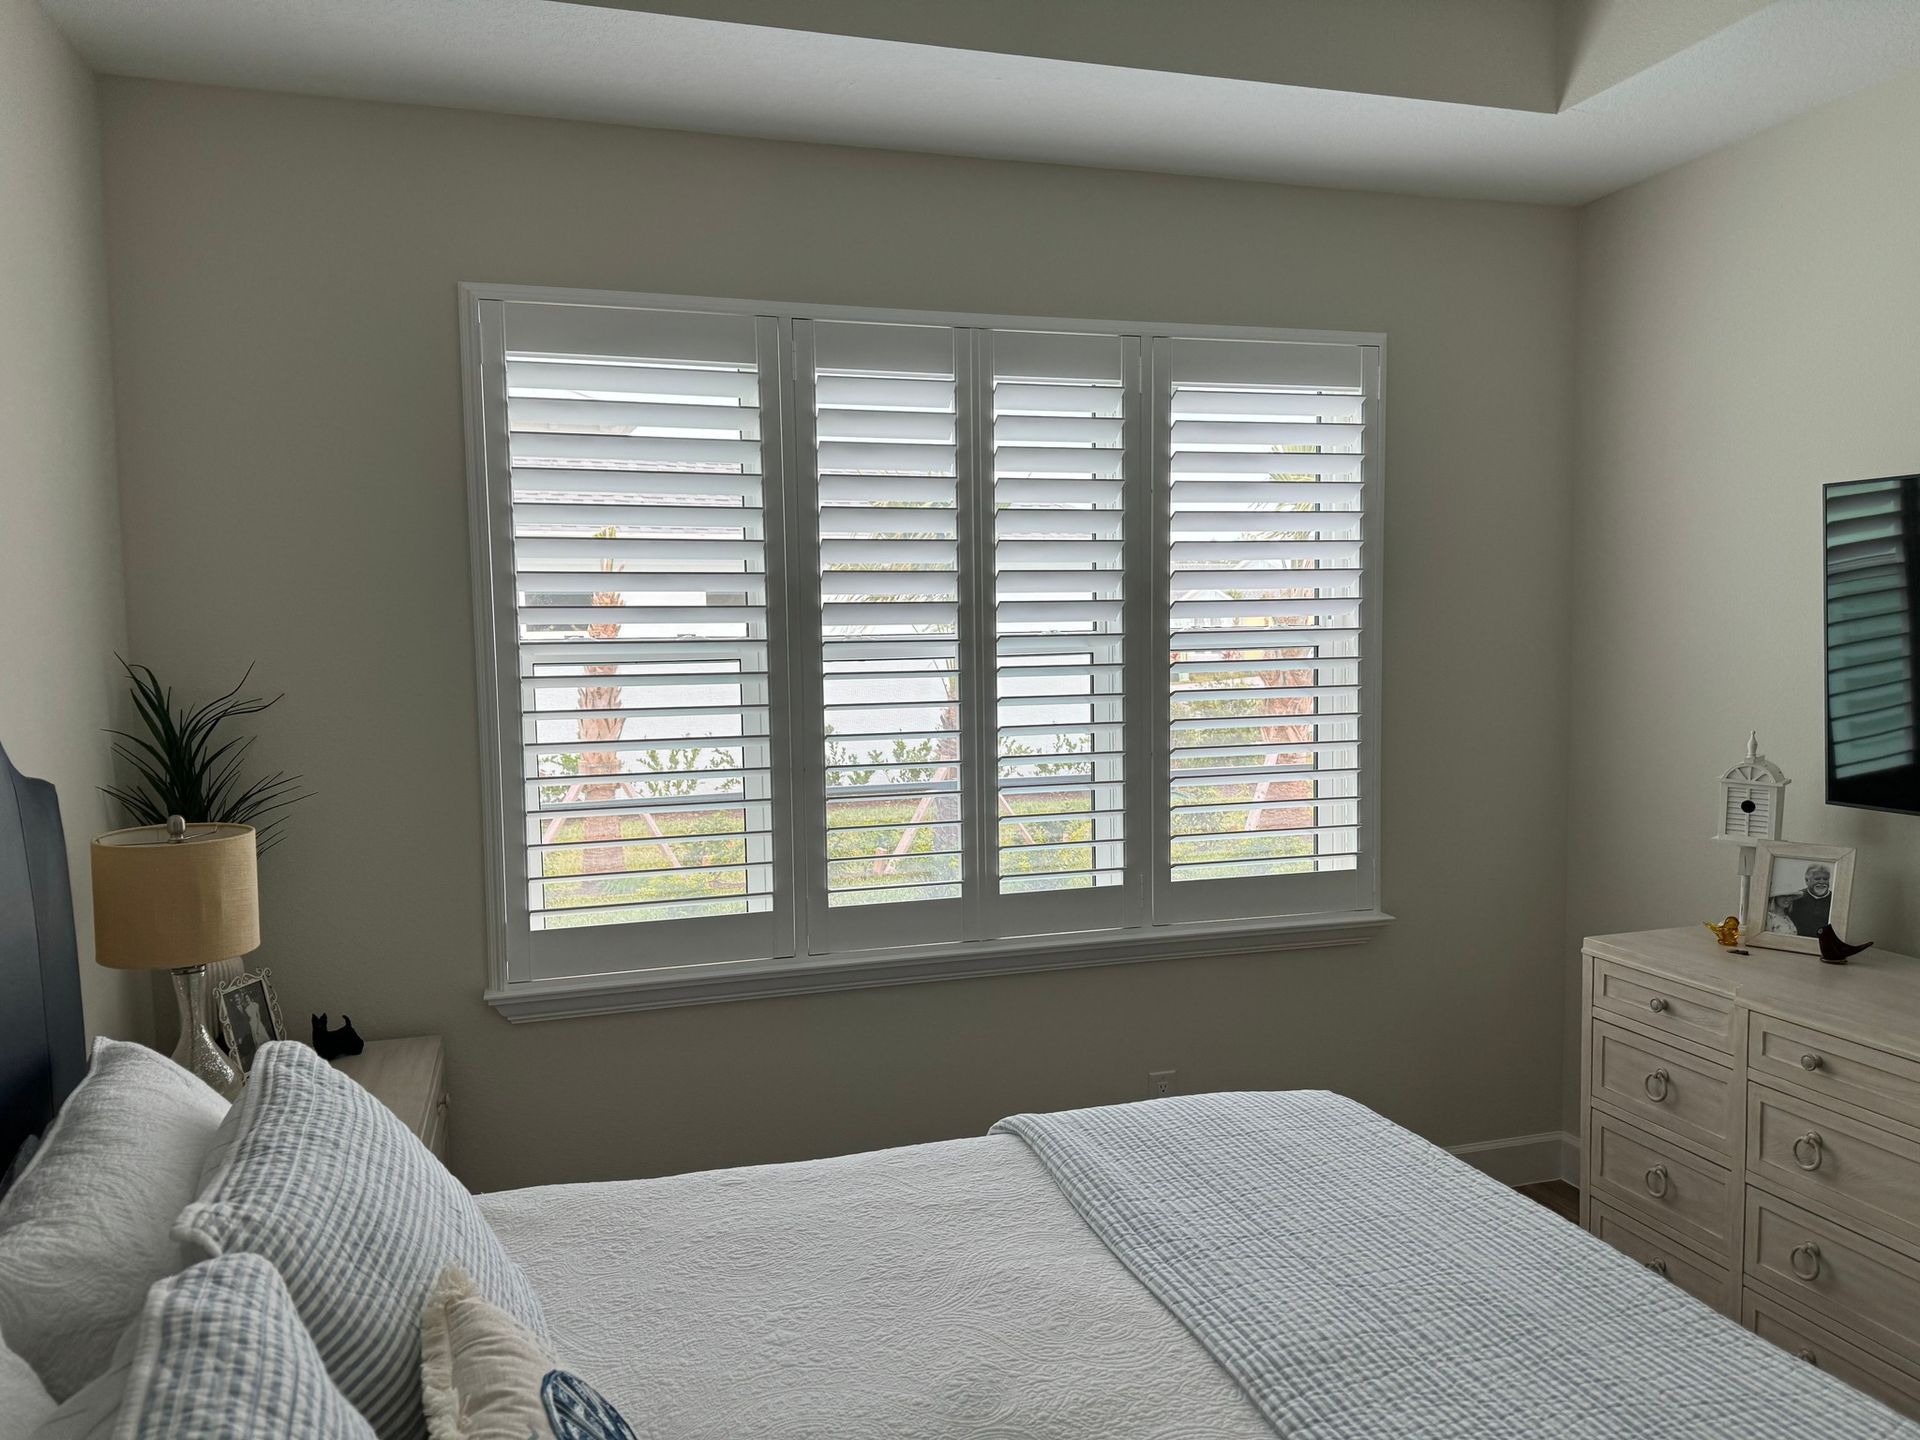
<point>1858,1074</point>
<point>1861,1283</point>
<point>1664,1086</point>
<point>1693,1014</point>
<point>1695,1274</point>
<point>1683,1195</point>
<point>1771,1320</point>
<point>1836,1162</point>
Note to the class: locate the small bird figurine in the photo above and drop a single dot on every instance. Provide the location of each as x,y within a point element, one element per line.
<point>1727,932</point>
<point>1834,950</point>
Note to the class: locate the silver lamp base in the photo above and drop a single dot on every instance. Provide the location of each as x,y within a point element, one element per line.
<point>197,1050</point>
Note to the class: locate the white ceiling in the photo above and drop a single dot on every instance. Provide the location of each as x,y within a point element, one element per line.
<point>626,66</point>
<point>1508,53</point>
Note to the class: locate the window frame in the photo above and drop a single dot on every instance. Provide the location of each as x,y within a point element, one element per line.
<point>797,971</point>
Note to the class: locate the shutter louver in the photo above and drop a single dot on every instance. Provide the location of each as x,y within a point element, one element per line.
<point>640,578</point>
<point>1060,491</point>
<point>885,419</point>
<point>1870,710</point>
<point>1262,446</point>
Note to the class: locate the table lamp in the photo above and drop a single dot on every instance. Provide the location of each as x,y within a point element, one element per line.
<point>179,897</point>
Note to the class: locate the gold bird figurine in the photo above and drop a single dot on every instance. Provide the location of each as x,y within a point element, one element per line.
<point>1727,932</point>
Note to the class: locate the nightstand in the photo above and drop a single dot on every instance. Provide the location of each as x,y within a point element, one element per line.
<point>409,1077</point>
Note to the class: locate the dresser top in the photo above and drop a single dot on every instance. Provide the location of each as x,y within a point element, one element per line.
<point>407,1076</point>
<point>1874,998</point>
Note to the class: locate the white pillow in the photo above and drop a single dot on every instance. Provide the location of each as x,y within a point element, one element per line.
<point>92,1411</point>
<point>88,1227</point>
<point>24,1401</point>
<point>314,1174</point>
<point>485,1376</point>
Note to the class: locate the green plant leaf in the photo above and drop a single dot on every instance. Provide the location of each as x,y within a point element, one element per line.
<point>187,766</point>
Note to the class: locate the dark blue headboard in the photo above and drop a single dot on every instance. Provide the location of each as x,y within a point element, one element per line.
<point>42,1041</point>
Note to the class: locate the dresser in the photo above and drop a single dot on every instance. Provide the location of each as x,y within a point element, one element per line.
<point>1750,1128</point>
<point>409,1077</point>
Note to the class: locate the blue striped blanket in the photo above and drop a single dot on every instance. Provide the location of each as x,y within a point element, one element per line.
<point>1357,1281</point>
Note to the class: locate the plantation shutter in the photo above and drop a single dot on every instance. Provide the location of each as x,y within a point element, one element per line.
<point>881,430</point>
<point>845,633</point>
<point>1262,450</point>
<point>643,536</point>
<point>1869,544</point>
<point>1063,484</point>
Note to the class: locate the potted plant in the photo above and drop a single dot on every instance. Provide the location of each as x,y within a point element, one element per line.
<point>188,767</point>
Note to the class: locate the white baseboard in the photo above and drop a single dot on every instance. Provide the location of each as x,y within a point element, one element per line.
<point>1526,1159</point>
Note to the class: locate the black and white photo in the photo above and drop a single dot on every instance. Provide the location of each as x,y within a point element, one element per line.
<point>1799,896</point>
<point>249,1016</point>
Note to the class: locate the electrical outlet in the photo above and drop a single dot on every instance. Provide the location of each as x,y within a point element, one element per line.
<point>1159,1083</point>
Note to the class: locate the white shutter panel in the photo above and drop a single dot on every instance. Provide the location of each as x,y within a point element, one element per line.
<point>1062,484</point>
<point>1262,446</point>
<point>885,416</point>
<point>1870,709</point>
<point>638,503</point>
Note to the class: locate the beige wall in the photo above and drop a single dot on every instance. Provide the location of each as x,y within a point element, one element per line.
<point>60,589</point>
<point>1749,329</point>
<point>289,401</point>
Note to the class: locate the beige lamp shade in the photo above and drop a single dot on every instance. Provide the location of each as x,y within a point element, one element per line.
<point>165,904</point>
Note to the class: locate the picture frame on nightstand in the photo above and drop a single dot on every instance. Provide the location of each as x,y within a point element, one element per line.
<point>1797,891</point>
<point>249,1015</point>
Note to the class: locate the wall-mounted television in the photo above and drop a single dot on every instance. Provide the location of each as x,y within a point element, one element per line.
<point>1872,541</point>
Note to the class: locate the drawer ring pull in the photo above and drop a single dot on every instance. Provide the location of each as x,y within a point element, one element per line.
<point>1658,1267</point>
<point>1808,1356</point>
<point>1657,1182</point>
<point>1657,1005</point>
<point>1811,1061</point>
<point>1811,1252</point>
<point>1810,1142</point>
<point>1656,1085</point>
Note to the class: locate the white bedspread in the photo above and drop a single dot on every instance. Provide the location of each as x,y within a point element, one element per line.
<point>1360,1282</point>
<point>938,1291</point>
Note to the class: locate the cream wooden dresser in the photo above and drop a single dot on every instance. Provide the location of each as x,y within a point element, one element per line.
<point>1751,1129</point>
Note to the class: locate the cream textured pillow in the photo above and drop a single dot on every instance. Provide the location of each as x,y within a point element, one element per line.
<point>484,1376</point>
<point>87,1228</point>
<point>24,1401</point>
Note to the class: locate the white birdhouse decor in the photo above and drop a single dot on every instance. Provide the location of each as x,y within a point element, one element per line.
<point>1755,794</point>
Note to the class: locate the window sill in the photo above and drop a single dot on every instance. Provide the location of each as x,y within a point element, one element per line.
<point>749,980</point>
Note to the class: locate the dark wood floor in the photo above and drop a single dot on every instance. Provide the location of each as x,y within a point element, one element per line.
<point>1558,1196</point>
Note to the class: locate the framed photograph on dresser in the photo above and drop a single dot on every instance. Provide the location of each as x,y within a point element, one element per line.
<point>1798,890</point>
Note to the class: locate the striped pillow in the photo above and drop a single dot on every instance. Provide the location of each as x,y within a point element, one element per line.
<point>320,1178</point>
<point>219,1353</point>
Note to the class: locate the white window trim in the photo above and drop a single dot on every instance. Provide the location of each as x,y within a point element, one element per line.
<point>695,984</point>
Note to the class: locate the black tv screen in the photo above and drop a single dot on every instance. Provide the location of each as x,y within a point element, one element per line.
<point>1873,590</point>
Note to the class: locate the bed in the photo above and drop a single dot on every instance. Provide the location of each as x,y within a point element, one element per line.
<point>1208,1266</point>
<point>41,1054</point>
